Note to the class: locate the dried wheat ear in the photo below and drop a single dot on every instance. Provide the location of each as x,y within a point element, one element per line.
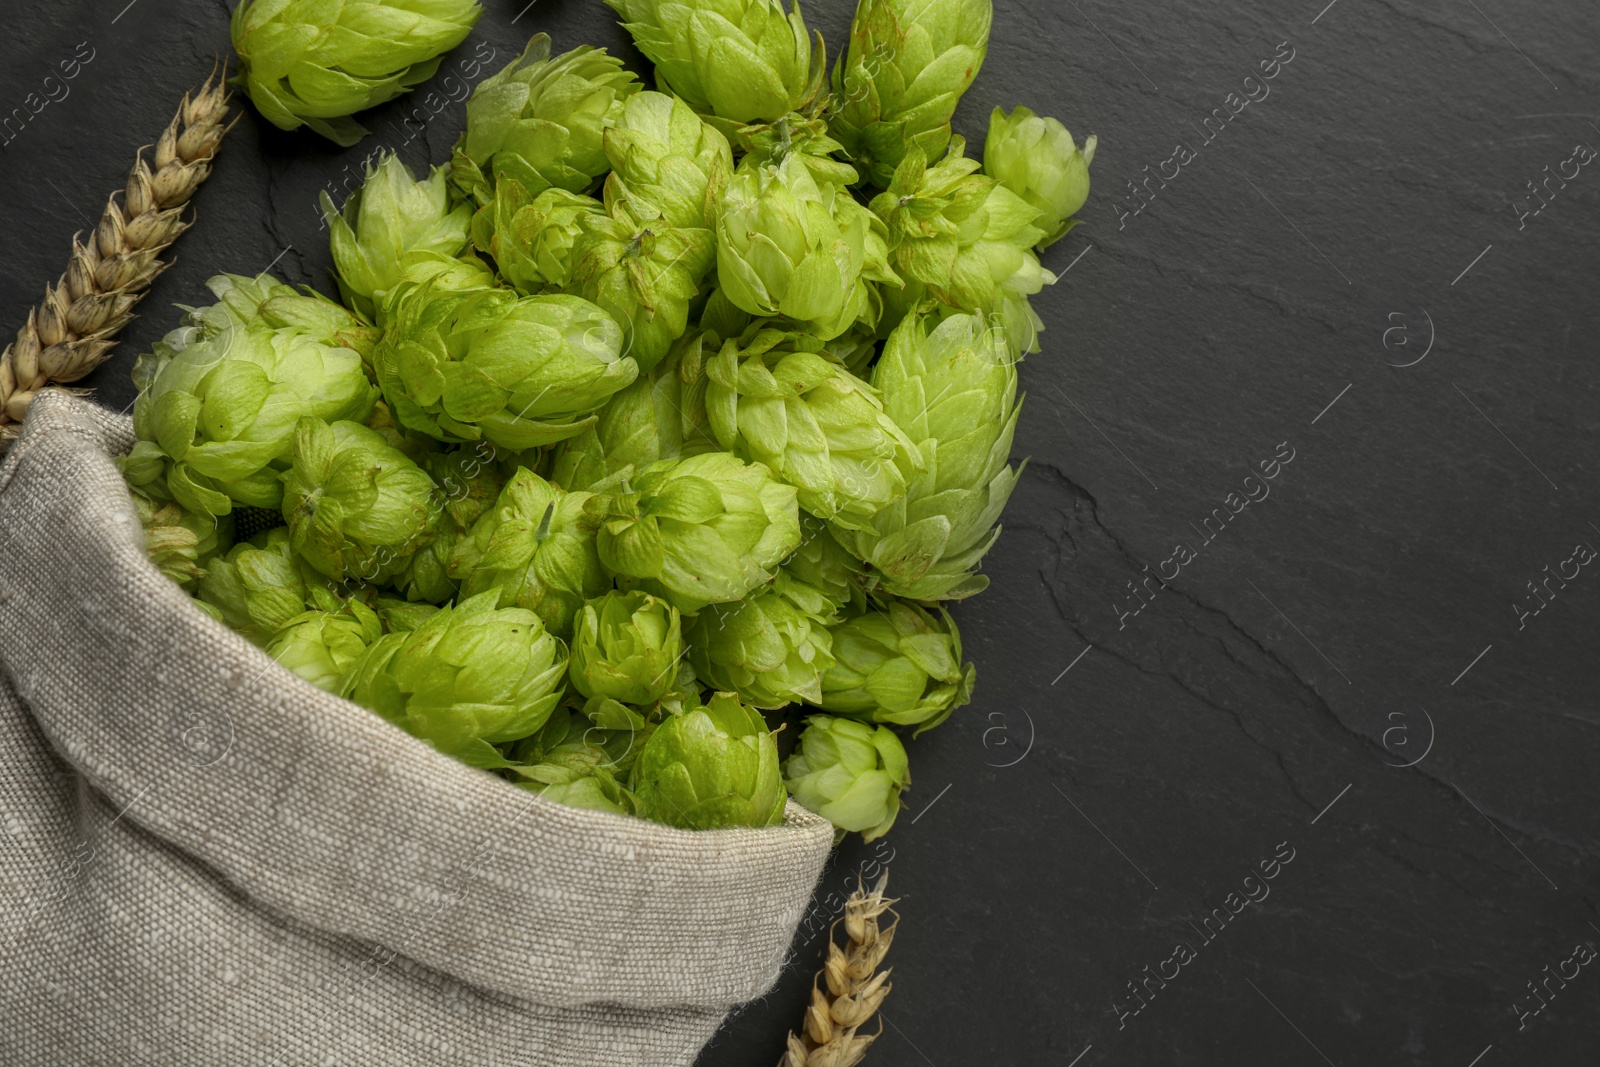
<point>850,988</point>
<point>73,330</point>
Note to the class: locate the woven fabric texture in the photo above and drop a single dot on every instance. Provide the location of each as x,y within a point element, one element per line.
<point>209,861</point>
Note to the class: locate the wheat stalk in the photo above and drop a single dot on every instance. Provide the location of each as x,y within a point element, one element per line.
<point>72,331</point>
<point>849,989</point>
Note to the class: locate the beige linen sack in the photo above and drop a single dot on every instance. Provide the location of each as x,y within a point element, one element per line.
<point>209,861</point>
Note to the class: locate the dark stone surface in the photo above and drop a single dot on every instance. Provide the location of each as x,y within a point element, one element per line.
<point>1068,830</point>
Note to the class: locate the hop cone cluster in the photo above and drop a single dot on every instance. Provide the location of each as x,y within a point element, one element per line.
<point>649,424</point>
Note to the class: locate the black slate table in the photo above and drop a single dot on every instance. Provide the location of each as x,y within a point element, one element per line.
<point>1284,749</point>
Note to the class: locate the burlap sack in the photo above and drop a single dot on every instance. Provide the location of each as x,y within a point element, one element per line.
<point>208,861</point>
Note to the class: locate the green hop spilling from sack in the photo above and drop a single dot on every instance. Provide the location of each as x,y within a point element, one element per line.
<point>650,425</point>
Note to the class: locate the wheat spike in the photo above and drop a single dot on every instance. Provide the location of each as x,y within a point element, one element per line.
<point>72,331</point>
<point>849,988</point>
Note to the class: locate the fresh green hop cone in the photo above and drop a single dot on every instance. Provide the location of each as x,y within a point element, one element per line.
<point>392,217</point>
<point>357,509</point>
<point>471,677</point>
<point>703,530</point>
<point>1037,159</point>
<point>816,425</point>
<point>931,211</point>
<point>542,121</point>
<point>263,302</point>
<point>241,301</point>
<point>849,773</point>
<point>952,386</point>
<point>711,768</point>
<point>964,240</point>
<point>940,215</point>
<point>734,61</point>
<point>579,775</point>
<point>1013,268</point>
<point>770,143</point>
<point>259,585</point>
<point>314,62</point>
<point>518,372</point>
<point>789,246</point>
<point>643,271</point>
<point>217,408</point>
<point>901,666</point>
<point>908,64</point>
<point>320,646</point>
<point>626,647</point>
<point>770,648</point>
<point>181,543</point>
<point>536,550</point>
<point>530,238</point>
<point>666,156</point>
<point>245,303</point>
